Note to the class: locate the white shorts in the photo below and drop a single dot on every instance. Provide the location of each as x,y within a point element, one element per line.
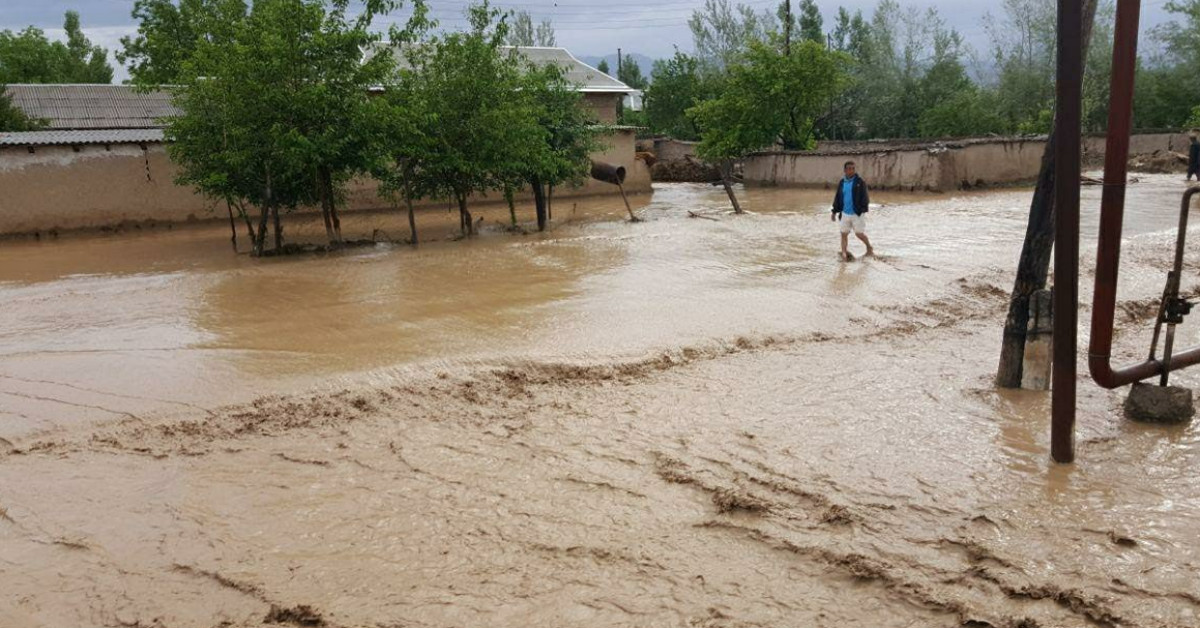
<point>857,224</point>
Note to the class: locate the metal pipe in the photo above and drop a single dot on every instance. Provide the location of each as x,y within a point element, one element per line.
<point>1112,205</point>
<point>1067,170</point>
<point>1112,212</point>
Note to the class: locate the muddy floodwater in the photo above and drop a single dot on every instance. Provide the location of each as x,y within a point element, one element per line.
<point>684,422</point>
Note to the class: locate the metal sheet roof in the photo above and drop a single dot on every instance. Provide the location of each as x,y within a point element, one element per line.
<point>93,106</point>
<point>588,79</point>
<point>100,136</point>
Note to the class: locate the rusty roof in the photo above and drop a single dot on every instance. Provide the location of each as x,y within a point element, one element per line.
<point>73,107</point>
<point>71,138</point>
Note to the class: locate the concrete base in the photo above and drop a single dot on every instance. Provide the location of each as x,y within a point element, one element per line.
<point>1157,404</point>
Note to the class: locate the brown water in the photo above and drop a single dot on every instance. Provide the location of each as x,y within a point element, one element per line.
<point>679,422</point>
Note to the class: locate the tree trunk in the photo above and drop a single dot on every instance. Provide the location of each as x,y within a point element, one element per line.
<point>412,214</point>
<point>464,215</point>
<point>550,202</point>
<point>331,199</point>
<point>1033,269</point>
<point>278,229</point>
<point>727,181</point>
<point>326,214</point>
<point>512,207</point>
<point>539,201</point>
<point>232,225</point>
<point>260,238</point>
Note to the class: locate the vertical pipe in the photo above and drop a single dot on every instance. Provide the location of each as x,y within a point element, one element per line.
<point>1068,115</point>
<point>1112,205</point>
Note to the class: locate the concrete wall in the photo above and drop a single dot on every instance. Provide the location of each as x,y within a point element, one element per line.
<point>93,187</point>
<point>932,167</point>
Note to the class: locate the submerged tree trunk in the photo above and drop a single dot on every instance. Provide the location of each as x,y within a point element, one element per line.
<point>464,215</point>
<point>539,201</point>
<point>727,181</point>
<point>1033,269</point>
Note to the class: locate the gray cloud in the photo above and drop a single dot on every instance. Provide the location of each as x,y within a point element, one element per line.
<point>586,28</point>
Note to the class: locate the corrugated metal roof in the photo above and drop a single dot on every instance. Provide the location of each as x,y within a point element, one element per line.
<point>93,106</point>
<point>100,136</point>
<point>586,78</point>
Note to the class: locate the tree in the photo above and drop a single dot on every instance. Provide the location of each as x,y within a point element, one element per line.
<point>562,156</point>
<point>812,25</point>
<point>603,67</point>
<point>676,87</point>
<point>12,118</point>
<point>1033,267</point>
<point>630,73</point>
<point>721,32</point>
<point>770,99</point>
<point>522,32</point>
<point>1169,81</point>
<point>169,32</point>
<point>29,57</point>
<point>482,125</point>
<point>278,115</point>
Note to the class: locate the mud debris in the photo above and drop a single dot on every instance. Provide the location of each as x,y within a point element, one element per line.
<point>300,615</point>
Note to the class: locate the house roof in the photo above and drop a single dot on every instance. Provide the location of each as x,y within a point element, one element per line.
<point>74,107</point>
<point>73,138</point>
<point>586,78</point>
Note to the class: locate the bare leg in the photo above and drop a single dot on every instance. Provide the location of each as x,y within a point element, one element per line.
<point>865,240</point>
<point>845,243</point>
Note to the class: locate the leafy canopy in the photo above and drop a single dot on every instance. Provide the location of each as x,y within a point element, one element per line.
<point>28,56</point>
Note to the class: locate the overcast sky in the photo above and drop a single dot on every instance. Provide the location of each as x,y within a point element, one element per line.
<point>597,27</point>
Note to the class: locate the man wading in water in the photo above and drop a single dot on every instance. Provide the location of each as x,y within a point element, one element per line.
<point>850,207</point>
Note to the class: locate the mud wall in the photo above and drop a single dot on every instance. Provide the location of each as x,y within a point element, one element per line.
<point>934,167</point>
<point>49,188</point>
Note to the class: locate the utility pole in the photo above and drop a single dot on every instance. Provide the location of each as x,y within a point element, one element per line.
<point>1067,129</point>
<point>787,28</point>
<point>618,64</point>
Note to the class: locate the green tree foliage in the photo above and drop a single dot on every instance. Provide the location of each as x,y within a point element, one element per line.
<point>278,115</point>
<point>677,86</point>
<point>630,73</point>
<point>769,99</point>
<point>812,25</point>
<point>483,130</point>
<point>522,32</point>
<point>1169,80</point>
<point>603,67</point>
<point>169,32</point>
<point>12,118</point>
<point>721,32</point>
<point>29,57</point>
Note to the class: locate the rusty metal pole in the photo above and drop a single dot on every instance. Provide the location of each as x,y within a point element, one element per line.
<point>1068,116</point>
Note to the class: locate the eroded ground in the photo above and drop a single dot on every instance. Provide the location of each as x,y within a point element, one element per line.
<point>676,423</point>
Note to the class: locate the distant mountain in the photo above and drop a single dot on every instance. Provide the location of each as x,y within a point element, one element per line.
<point>644,62</point>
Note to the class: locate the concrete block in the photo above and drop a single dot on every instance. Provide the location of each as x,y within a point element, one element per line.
<point>1159,404</point>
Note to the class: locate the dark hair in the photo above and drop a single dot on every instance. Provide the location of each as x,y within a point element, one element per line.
<point>848,164</point>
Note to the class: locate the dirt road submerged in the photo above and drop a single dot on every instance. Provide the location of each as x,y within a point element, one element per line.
<point>679,423</point>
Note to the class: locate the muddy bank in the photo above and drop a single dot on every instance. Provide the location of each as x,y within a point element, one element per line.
<point>677,423</point>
